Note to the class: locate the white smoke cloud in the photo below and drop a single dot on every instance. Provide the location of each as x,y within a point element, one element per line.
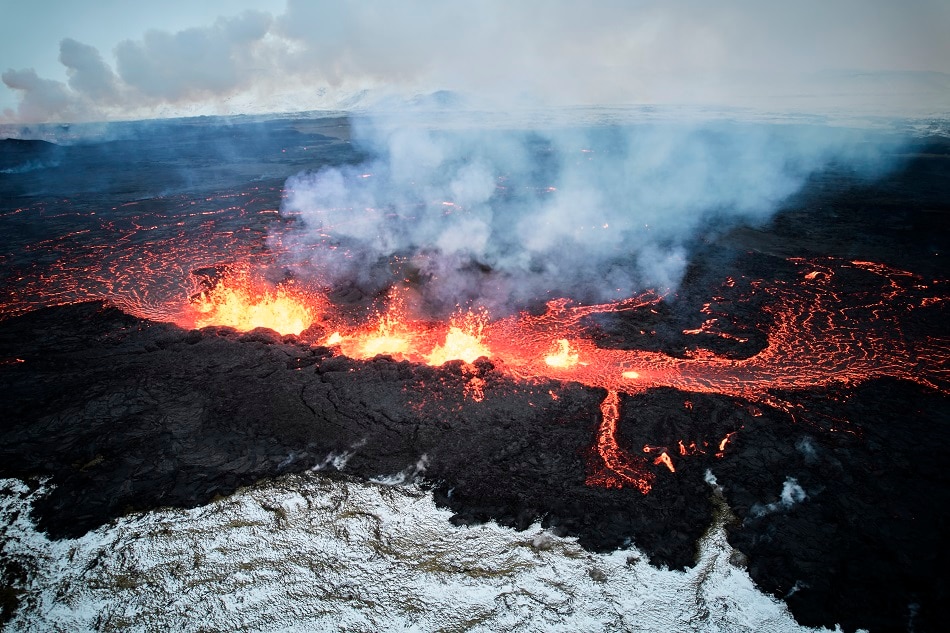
<point>807,448</point>
<point>504,217</point>
<point>194,63</point>
<point>40,99</point>
<point>408,475</point>
<point>336,459</point>
<point>873,54</point>
<point>89,75</point>
<point>791,494</point>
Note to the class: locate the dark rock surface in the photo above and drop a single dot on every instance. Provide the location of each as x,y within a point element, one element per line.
<point>865,546</point>
<point>19,156</point>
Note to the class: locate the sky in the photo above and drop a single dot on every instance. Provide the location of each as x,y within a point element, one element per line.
<point>109,59</point>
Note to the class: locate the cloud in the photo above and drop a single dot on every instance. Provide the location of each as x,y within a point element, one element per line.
<point>193,63</point>
<point>89,75</point>
<point>189,67</point>
<point>319,54</point>
<point>557,51</point>
<point>40,99</point>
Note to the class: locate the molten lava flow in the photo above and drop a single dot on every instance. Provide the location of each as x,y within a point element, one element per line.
<point>244,304</point>
<point>464,340</point>
<point>140,255</point>
<point>664,459</point>
<point>691,449</point>
<point>475,387</point>
<point>618,468</point>
<point>723,443</point>
<point>709,327</point>
<point>820,335</point>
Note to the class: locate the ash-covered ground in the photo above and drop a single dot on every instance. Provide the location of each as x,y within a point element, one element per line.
<point>835,498</point>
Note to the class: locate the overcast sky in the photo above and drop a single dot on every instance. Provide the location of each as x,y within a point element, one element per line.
<point>107,59</point>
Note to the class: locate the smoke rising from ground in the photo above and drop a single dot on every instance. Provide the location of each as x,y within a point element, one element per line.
<point>792,493</point>
<point>503,218</point>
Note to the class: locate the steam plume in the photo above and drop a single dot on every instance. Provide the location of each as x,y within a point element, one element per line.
<point>506,217</point>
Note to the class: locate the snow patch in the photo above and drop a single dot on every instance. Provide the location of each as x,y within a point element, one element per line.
<point>307,552</point>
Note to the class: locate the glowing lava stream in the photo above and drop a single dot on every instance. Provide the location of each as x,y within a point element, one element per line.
<point>619,468</point>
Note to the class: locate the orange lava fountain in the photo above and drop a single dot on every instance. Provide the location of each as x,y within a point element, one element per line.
<point>245,304</point>
<point>464,340</point>
<point>395,334</point>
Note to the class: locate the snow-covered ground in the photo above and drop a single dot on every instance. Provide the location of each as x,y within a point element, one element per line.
<point>307,552</point>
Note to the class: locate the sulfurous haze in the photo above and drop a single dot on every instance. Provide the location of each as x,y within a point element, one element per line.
<point>503,218</point>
